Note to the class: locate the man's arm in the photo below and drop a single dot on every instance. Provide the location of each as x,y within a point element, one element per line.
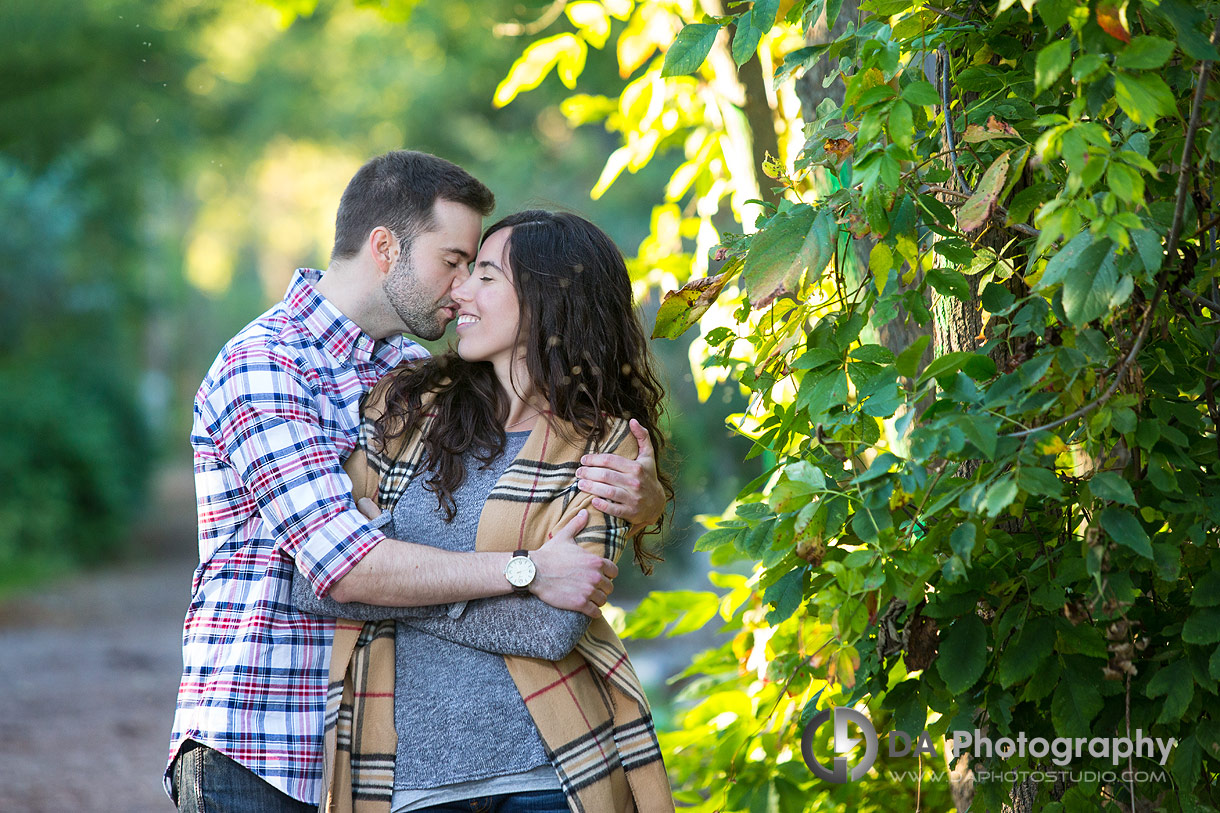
<point>267,423</point>
<point>504,625</point>
<point>396,573</point>
<point>625,487</point>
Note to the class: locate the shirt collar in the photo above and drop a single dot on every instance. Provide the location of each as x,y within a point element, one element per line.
<point>338,335</point>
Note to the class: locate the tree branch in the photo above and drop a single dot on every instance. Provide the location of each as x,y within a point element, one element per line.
<point>950,138</point>
<point>944,13</point>
<point>517,29</point>
<point>1196,112</point>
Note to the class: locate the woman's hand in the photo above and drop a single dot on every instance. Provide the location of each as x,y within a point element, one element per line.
<point>628,489</point>
<point>570,577</point>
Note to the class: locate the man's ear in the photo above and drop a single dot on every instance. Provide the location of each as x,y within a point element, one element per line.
<point>383,248</point>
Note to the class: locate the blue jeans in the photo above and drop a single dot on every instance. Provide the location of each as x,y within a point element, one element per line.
<point>206,781</point>
<point>537,801</point>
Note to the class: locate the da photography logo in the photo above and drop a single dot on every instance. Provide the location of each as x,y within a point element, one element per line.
<point>844,743</point>
<point>1061,750</point>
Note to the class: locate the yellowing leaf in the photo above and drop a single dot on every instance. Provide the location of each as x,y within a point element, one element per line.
<point>975,211</point>
<point>682,308</point>
<point>536,62</point>
<point>1113,20</point>
<point>592,19</point>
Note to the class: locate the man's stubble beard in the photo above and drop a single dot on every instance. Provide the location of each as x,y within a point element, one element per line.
<point>417,311</point>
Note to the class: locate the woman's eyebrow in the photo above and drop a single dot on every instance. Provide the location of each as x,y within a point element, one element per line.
<point>485,263</point>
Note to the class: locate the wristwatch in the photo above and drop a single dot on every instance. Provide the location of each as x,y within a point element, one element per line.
<point>520,572</point>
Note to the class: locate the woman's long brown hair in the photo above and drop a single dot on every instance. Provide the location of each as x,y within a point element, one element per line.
<point>585,352</point>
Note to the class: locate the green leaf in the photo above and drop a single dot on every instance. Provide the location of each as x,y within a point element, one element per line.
<point>1175,682</point>
<point>717,537</point>
<point>755,542</point>
<point>873,353</point>
<point>963,654</point>
<point>1144,97</point>
<point>763,13</point>
<point>1000,495</point>
<point>920,93</point>
<point>1052,61</point>
<point>962,541</point>
<point>1107,485</point>
<point>1213,665</point>
<point>786,595</point>
<point>774,252</point>
<point>1081,640</point>
<point>1148,244</point>
<point>745,39</point>
<point>976,366</point>
<point>949,282</point>
<point>1074,705</point>
<point>908,360</point>
<point>698,609</point>
<point>1145,53</point>
<point>1125,182</point>
<point>1122,526</point>
<point>1206,592</point>
<point>1066,260</point>
<point>825,391</point>
<point>1024,653</point>
<point>1186,19</point>
<point>816,357</point>
<point>1037,480</point>
<point>901,123</point>
<point>880,263</point>
<point>1091,283</point>
<point>982,432</point>
<point>693,44</point>
<point>832,12</point>
<point>1203,627</point>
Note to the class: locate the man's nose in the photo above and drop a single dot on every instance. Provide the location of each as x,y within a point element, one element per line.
<point>457,290</point>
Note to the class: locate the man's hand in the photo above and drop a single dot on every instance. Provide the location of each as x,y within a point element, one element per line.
<point>368,508</point>
<point>624,488</point>
<point>570,577</point>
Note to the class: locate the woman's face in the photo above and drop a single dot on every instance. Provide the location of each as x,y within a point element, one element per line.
<point>488,312</point>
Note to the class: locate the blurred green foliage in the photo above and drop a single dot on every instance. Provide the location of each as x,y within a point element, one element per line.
<point>165,164</point>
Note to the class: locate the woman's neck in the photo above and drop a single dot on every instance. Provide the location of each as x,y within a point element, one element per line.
<point>523,402</point>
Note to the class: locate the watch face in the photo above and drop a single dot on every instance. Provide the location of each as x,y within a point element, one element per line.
<point>519,571</point>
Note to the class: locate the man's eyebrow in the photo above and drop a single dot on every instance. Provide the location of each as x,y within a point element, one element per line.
<point>459,251</point>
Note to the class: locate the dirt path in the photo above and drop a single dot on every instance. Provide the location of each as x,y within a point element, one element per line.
<point>89,669</point>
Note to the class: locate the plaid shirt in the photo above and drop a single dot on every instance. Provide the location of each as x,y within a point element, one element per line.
<point>274,419</point>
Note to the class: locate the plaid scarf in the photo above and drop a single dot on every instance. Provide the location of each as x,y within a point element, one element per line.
<point>589,707</point>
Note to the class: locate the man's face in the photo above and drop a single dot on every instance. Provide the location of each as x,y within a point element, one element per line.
<point>419,282</point>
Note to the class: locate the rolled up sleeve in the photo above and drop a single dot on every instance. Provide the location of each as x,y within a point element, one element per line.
<point>269,426</point>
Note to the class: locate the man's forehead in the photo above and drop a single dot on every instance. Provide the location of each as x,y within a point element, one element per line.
<point>455,228</point>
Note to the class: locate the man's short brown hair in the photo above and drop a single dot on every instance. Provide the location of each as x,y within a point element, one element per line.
<point>398,191</point>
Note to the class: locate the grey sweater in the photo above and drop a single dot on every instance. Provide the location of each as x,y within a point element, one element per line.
<point>458,713</point>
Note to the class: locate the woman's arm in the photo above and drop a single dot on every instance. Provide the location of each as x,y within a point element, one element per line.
<point>510,625</point>
<point>528,627</point>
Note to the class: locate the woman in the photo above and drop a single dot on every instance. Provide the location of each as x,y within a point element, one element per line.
<point>505,700</point>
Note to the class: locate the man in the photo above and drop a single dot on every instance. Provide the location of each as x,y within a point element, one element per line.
<point>275,417</point>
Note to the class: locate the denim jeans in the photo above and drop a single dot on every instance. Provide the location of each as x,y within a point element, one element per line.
<point>538,801</point>
<point>207,781</point>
